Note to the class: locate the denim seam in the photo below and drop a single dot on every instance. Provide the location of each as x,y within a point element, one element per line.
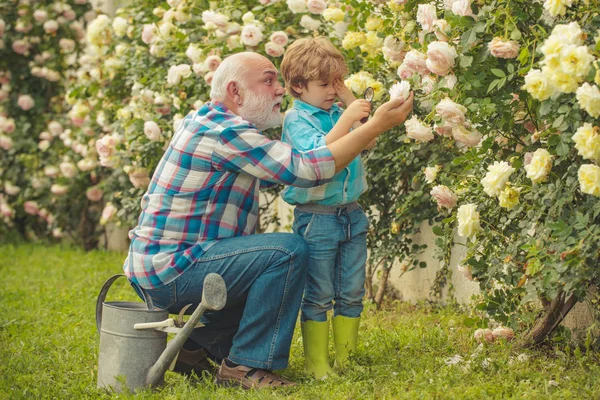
<point>243,251</point>
<point>309,226</point>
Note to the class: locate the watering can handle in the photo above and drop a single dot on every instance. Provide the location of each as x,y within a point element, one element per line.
<point>102,297</point>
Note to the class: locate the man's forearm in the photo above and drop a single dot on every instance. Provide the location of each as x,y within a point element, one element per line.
<point>346,148</point>
<point>341,128</point>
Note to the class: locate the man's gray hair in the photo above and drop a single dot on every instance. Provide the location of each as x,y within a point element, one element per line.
<point>231,69</point>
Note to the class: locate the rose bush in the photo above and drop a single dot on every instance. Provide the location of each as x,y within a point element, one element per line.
<point>502,149</point>
<point>42,192</point>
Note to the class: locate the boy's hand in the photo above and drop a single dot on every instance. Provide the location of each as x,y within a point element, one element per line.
<point>357,110</point>
<point>343,93</point>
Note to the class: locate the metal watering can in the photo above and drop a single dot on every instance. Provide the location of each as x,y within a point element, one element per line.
<point>133,336</point>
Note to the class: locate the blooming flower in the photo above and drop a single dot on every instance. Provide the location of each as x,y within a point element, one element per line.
<point>509,197</point>
<point>309,23</point>
<point>426,16</point>
<point>177,72</point>
<point>333,14</point>
<point>557,7</point>
<point>587,142</point>
<point>25,102</point>
<point>440,58</point>
<point>503,49</point>
<point>469,138</point>
<point>94,193</point>
<point>496,178</point>
<point>251,35</point>
<point>540,165</point>
<point>414,61</point>
<point>589,179</point>
<point>538,85</point>
<point>588,97</point>
<point>108,213</point>
<point>400,90</point>
<point>316,6</point>
<point>444,197</point>
<point>353,40</point>
<point>468,221</point>
<point>415,129</point>
<point>280,38</point>
<point>274,50</point>
<point>297,6</point>
<point>451,113</point>
<point>152,131</point>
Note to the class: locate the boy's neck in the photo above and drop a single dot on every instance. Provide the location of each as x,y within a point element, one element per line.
<point>320,108</point>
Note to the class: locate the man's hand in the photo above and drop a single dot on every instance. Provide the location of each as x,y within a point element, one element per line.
<point>358,110</point>
<point>343,93</point>
<point>392,113</point>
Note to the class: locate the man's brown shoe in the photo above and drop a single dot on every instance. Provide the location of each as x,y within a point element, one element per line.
<point>249,378</point>
<point>189,361</point>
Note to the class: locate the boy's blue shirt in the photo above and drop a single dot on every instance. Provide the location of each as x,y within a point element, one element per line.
<point>304,128</point>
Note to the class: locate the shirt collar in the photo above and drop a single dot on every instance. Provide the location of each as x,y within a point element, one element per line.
<point>310,109</point>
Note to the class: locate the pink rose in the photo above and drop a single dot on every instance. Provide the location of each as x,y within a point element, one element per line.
<point>450,112</point>
<point>148,33</point>
<point>444,197</point>
<point>106,145</point>
<point>426,16</point>
<point>316,6</point>
<point>6,143</point>
<point>68,169</point>
<point>212,63</point>
<point>6,210</point>
<point>40,15</point>
<point>462,8</point>
<point>31,207</point>
<point>443,130</point>
<point>440,58</point>
<point>25,102</point>
<point>209,77</point>
<point>280,38</point>
<point>20,46</point>
<point>503,49</point>
<point>55,128</point>
<point>108,213</point>
<point>70,15</point>
<point>51,171</point>
<point>414,61</point>
<point>274,50</point>
<point>462,135</point>
<point>94,193</point>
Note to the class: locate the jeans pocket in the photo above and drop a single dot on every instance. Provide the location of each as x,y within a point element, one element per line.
<point>165,296</point>
<point>303,223</point>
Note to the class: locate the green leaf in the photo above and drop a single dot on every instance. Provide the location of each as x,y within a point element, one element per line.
<point>515,35</point>
<point>498,72</point>
<point>493,85</point>
<point>437,230</point>
<point>524,56</point>
<point>466,61</point>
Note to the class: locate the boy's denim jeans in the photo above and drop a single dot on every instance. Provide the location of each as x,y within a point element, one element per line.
<point>265,275</point>
<point>336,264</point>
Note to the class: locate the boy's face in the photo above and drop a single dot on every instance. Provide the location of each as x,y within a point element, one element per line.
<point>320,94</point>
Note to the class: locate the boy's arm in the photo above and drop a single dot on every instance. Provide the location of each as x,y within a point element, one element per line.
<point>355,112</point>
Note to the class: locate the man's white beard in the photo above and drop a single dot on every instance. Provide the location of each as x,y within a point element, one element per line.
<point>258,109</point>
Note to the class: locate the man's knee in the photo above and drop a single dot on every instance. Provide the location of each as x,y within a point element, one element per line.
<point>295,245</point>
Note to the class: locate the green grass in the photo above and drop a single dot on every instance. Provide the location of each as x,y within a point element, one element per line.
<point>49,345</point>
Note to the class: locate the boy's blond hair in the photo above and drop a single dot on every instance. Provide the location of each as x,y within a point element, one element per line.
<point>311,59</point>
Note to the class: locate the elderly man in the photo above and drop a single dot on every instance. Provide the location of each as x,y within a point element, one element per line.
<point>200,212</point>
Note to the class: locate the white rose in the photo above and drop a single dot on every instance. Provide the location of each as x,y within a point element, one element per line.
<point>309,23</point>
<point>462,8</point>
<point>194,53</point>
<point>152,130</point>
<point>280,38</point>
<point>415,129</point>
<point>148,33</point>
<point>108,213</point>
<point>120,26</point>
<point>177,72</point>
<point>400,90</point>
<point>557,7</point>
<point>212,63</point>
<point>496,178</point>
<point>50,26</point>
<point>440,58</point>
<point>503,49</point>
<point>466,137</point>
<point>540,165</point>
<point>59,190</point>
<point>11,189</point>
<point>297,6</point>
<point>589,179</point>
<point>251,35</point>
<point>468,221</point>
<point>568,34</point>
<point>274,50</point>
<point>86,164</point>
<point>431,173</point>
<point>39,16</point>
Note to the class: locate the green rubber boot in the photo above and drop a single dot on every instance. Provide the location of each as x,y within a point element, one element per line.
<point>315,335</point>
<point>345,336</point>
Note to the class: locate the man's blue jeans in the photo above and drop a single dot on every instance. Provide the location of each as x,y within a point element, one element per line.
<point>265,275</point>
<point>336,265</point>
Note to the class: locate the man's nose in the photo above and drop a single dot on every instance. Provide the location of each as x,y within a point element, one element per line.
<point>279,90</point>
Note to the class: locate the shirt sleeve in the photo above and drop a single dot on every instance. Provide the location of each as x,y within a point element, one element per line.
<point>242,148</point>
<point>267,184</point>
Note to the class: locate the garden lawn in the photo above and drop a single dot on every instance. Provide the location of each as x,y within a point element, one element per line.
<point>49,346</point>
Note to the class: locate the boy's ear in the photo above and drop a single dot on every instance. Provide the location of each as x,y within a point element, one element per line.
<point>298,89</point>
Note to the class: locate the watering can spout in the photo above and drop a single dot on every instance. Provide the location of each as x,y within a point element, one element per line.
<point>214,297</point>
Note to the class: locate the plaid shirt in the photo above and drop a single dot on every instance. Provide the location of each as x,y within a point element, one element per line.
<point>304,128</point>
<point>205,188</point>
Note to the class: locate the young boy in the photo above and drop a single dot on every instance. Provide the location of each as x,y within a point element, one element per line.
<point>327,216</point>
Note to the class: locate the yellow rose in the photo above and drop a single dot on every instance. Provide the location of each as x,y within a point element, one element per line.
<point>395,6</point>
<point>496,178</point>
<point>576,60</point>
<point>333,14</point>
<point>552,46</point>
<point>373,44</point>
<point>540,166</point>
<point>509,197</point>
<point>468,220</point>
<point>378,90</point>
<point>538,85</point>
<point>374,24</point>
<point>588,97</point>
<point>589,179</point>
<point>557,7</point>
<point>563,81</point>
<point>587,142</point>
<point>353,39</point>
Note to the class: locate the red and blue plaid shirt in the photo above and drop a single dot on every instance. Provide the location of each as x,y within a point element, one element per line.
<point>205,188</point>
